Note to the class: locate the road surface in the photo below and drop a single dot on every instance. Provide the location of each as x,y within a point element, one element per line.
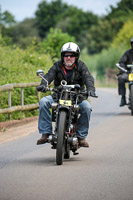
<point>102,172</point>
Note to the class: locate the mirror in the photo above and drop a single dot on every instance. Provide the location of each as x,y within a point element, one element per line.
<point>40,73</point>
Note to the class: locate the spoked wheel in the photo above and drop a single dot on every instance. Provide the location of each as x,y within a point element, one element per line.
<point>131,100</point>
<point>60,138</point>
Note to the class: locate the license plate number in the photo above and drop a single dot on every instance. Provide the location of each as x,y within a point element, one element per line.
<point>65,102</point>
<point>130,77</point>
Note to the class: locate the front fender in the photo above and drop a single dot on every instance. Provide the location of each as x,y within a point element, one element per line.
<point>64,108</point>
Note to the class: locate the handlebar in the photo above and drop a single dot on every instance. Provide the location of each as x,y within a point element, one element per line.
<point>130,65</point>
<point>40,88</point>
<point>121,68</point>
<point>86,93</point>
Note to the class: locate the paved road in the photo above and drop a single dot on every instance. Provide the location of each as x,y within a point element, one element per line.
<point>102,172</point>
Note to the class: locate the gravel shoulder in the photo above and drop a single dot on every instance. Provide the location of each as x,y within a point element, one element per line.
<point>14,129</point>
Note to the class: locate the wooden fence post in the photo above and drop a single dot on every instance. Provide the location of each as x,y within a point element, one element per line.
<point>9,103</point>
<point>22,107</point>
<point>22,96</point>
<point>38,95</point>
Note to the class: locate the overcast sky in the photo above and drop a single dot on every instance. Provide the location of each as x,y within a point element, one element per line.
<point>22,9</point>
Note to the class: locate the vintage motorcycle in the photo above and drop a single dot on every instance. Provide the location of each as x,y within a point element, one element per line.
<point>130,84</point>
<point>65,113</point>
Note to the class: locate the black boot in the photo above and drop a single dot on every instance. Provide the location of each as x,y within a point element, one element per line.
<point>123,101</point>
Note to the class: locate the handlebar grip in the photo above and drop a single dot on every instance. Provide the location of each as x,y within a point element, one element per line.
<point>42,88</point>
<point>95,96</point>
<point>39,88</point>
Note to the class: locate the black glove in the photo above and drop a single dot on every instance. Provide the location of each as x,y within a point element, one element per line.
<point>41,88</point>
<point>91,93</point>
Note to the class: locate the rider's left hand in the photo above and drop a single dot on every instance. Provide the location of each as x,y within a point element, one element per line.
<point>91,93</point>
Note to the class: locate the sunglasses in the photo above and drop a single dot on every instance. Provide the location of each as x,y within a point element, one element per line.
<point>69,55</point>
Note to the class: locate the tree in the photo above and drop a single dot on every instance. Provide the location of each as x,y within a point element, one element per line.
<point>100,36</point>
<point>48,14</point>
<point>24,32</point>
<point>6,18</point>
<point>69,19</point>
<point>122,11</point>
<point>124,35</point>
<point>53,42</point>
<point>76,22</point>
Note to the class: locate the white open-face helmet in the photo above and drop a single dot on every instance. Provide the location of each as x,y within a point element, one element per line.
<point>70,47</point>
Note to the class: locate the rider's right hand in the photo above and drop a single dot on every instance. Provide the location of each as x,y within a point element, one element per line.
<point>41,88</point>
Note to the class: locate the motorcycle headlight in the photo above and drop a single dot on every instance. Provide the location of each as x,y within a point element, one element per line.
<point>76,108</point>
<point>54,105</point>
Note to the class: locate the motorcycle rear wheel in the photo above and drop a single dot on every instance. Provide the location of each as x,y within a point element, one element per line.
<point>60,138</point>
<point>131,100</point>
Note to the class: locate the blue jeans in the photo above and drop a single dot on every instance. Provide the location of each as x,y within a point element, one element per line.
<point>45,118</point>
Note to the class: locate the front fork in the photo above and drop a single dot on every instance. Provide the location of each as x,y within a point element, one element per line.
<point>71,141</point>
<point>55,116</point>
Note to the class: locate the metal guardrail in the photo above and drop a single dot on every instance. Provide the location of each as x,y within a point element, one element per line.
<point>22,107</point>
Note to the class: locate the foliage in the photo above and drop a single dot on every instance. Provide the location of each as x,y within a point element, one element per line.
<point>5,40</point>
<point>98,63</point>
<point>69,19</point>
<point>6,18</point>
<point>76,22</point>
<point>100,36</point>
<point>23,33</point>
<point>89,30</point>
<point>54,41</point>
<point>122,11</point>
<point>124,35</point>
<point>20,66</point>
<point>48,14</point>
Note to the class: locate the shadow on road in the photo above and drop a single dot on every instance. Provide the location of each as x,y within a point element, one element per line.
<point>45,161</point>
<point>125,114</point>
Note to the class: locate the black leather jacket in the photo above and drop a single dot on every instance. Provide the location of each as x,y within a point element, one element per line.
<point>80,75</point>
<point>127,58</point>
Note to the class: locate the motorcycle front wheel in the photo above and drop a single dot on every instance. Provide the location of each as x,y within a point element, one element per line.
<point>131,100</point>
<point>60,138</point>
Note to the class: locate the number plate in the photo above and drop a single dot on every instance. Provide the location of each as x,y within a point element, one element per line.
<point>130,77</point>
<point>65,102</point>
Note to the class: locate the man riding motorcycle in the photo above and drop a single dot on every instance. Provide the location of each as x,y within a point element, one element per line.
<point>74,71</point>
<point>127,58</point>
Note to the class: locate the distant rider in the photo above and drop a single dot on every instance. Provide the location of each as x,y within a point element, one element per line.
<point>74,71</point>
<point>127,58</point>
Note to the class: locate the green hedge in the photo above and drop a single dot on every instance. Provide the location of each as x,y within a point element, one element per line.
<point>20,66</point>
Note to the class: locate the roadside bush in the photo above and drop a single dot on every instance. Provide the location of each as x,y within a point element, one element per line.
<point>54,41</point>
<point>99,62</point>
<point>20,66</point>
<point>125,34</point>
